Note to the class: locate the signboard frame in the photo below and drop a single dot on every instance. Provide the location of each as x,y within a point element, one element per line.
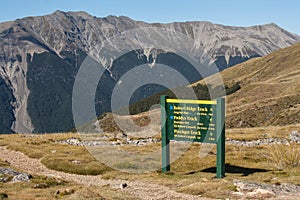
<point>212,120</point>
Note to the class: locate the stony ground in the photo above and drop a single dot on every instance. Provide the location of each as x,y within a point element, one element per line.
<point>123,140</point>
<point>253,190</point>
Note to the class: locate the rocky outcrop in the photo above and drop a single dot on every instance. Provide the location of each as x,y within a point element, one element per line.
<point>254,190</point>
<point>7,174</point>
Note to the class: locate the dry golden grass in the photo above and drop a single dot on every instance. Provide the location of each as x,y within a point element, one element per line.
<point>247,134</point>
<point>284,156</point>
<point>53,155</point>
<point>45,188</point>
<point>270,90</point>
<point>3,163</point>
<point>189,174</point>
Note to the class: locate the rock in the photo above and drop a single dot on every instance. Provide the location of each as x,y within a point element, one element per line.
<point>238,193</point>
<point>5,179</point>
<point>104,141</point>
<point>295,137</point>
<point>258,142</point>
<point>260,194</point>
<point>251,195</point>
<point>76,162</point>
<point>22,178</point>
<point>242,187</point>
<point>73,141</point>
<point>264,193</point>
<point>123,185</point>
<point>7,173</point>
<point>116,143</point>
<point>121,135</point>
<point>68,191</point>
<point>253,190</point>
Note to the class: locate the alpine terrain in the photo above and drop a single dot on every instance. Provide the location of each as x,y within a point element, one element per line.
<point>40,57</point>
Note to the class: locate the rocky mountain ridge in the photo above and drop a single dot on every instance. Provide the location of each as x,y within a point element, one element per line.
<point>40,57</point>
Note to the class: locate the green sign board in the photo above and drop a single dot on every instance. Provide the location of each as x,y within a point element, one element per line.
<point>195,121</point>
<point>191,120</point>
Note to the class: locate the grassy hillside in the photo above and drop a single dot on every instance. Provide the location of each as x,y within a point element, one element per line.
<point>270,90</point>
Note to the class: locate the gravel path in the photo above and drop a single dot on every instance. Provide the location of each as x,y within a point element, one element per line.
<point>141,190</point>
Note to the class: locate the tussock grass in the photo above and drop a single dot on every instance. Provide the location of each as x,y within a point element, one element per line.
<point>3,163</point>
<point>247,134</point>
<point>284,156</point>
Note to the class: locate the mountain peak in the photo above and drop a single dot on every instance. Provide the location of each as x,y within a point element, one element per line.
<point>273,24</point>
<point>82,14</point>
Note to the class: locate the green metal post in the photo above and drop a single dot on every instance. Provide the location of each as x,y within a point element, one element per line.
<point>165,147</point>
<point>220,123</point>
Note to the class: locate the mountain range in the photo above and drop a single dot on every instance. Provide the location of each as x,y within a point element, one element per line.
<point>40,57</point>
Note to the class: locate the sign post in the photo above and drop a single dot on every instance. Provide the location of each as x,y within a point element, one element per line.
<point>220,137</point>
<point>195,121</point>
<point>164,138</point>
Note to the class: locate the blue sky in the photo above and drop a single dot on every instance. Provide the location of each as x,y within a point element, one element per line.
<point>285,13</point>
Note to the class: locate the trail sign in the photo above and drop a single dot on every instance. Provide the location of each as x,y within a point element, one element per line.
<point>191,120</point>
<point>196,121</point>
